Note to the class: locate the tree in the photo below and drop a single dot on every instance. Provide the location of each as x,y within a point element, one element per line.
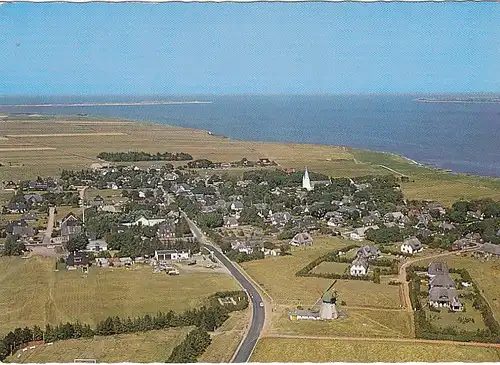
<point>13,247</point>
<point>77,243</point>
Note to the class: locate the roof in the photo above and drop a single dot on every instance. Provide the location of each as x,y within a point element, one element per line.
<point>413,242</point>
<point>23,231</point>
<point>366,251</point>
<point>302,238</point>
<point>438,294</point>
<point>230,221</point>
<point>442,281</point>
<point>436,268</point>
<point>490,248</point>
<point>358,261</point>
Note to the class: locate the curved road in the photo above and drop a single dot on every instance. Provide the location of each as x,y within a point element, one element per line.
<point>258,313</point>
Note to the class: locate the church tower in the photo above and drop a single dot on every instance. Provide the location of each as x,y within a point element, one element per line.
<point>306,183</point>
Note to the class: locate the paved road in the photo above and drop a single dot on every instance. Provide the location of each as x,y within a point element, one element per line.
<point>50,226</point>
<point>258,313</point>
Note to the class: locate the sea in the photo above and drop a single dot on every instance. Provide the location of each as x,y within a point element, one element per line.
<point>461,137</point>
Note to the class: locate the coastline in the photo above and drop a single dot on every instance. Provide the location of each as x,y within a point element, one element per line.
<point>141,103</point>
<point>424,100</point>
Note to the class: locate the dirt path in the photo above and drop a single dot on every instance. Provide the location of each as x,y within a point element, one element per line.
<point>50,226</point>
<point>388,339</point>
<point>392,170</point>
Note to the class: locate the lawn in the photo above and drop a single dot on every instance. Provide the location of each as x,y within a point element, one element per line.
<point>331,267</point>
<point>32,293</point>
<point>357,323</point>
<point>145,347</point>
<point>312,350</point>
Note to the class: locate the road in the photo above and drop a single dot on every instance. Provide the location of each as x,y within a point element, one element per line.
<point>50,226</point>
<point>258,313</point>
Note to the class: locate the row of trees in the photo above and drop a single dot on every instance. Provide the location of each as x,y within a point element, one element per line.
<point>195,344</point>
<point>143,156</point>
<point>205,319</point>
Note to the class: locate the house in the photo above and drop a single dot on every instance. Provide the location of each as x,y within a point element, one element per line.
<point>33,199</point>
<point>171,255</point>
<point>271,252</point>
<point>70,227</point>
<point>359,233</point>
<point>242,247</point>
<point>335,222</point>
<point>368,252</point>
<point>29,217</point>
<point>23,231</point>
<point>237,206</point>
<point>166,230</point>
<point>370,219</point>
<point>445,297</point>
<point>230,222</point>
<point>280,218</point>
<point>302,239</point>
<point>437,268</point>
<point>359,267</point>
<point>98,201</point>
<point>306,223</point>
<point>490,249</point>
<point>445,226</point>
<point>76,259</point>
<point>442,281</point>
<point>171,176</point>
<point>460,244</point>
<point>411,245</point>
<point>110,208</point>
<point>102,262</point>
<point>97,245</point>
<point>424,220</point>
<point>17,207</point>
<point>9,228</point>
<point>145,222</point>
<point>393,217</point>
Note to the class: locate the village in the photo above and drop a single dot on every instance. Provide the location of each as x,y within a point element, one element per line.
<point>121,216</point>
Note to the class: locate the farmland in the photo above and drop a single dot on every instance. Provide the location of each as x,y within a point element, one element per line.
<point>34,294</point>
<point>74,143</point>
<point>325,350</point>
<point>151,346</point>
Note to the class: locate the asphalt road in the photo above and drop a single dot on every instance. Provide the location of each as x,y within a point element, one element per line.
<point>258,313</point>
<point>50,226</point>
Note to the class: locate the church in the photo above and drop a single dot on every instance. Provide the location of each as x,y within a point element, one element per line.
<point>306,182</point>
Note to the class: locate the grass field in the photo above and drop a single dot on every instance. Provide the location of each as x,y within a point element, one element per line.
<point>78,140</point>
<point>331,267</point>
<point>151,346</point>
<point>32,293</point>
<point>312,350</point>
<point>357,323</point>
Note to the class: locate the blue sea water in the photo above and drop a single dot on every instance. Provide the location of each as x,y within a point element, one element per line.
<point>462,137</point>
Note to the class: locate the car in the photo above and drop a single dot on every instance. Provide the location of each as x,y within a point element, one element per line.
<point>261,304</point>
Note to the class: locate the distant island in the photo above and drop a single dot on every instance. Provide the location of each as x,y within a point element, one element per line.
<point>465,99</point>
<point>112,104</point>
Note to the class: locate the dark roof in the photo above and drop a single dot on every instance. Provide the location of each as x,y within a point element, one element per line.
<point>23,231</point>
<point>442,281</point>
<point>436,268</point>
<point>77,258</point>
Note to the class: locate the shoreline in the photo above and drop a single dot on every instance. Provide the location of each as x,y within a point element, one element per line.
<point>150,123</point>
<point>457,101</point>
<point>141,103</point>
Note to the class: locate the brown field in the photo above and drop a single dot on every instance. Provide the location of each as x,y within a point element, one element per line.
<point>314,350</point>
<point>78,140</point>
<point>151,346</point>
<point>31,292</point>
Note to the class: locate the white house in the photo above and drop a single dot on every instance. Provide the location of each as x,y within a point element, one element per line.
<point>241,247</point>
<point>359,267</point>
<point>97,245</point>
<point>237,206</point>
<point>171,255</point>
<point>145,222</point>
<point>301,239</point>
<point>411,246</point>
<point>230,222</point>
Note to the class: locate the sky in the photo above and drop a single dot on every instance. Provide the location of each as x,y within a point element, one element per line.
<point>228,48</point>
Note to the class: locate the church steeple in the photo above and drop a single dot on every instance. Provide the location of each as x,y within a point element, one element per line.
<point>306,183</point>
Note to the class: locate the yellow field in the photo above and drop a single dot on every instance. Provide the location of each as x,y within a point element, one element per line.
<point>32,293</point>
<point>77,141</point>
<point>151,346</point>
<point>314,350</point>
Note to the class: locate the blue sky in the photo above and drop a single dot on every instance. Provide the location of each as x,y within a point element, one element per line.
<point>101,48</point>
